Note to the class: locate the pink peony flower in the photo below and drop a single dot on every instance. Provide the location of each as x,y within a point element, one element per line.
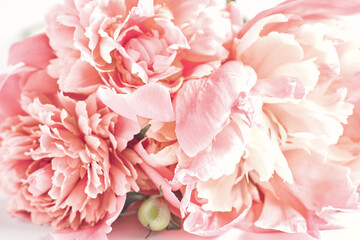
<point>122,44</point>
<point>255,125</point>
<point>64,162</point>
<point>250,140</point>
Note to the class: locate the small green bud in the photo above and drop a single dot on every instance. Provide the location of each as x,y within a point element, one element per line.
<point>154,213</point>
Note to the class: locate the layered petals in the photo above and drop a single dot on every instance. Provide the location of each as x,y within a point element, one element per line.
<point>203,106</point>
<point>98,232</point>
<point>71,161</point>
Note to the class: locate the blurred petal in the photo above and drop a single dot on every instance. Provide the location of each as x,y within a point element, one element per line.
<point>34,51</point>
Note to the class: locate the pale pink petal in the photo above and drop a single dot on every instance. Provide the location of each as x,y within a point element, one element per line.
<point>225,153</point>
<point>276,49</point>
<point>306,9</point>
<point>145,8</point>
<point>203,106</point>
<point>165,172</point>
<point>40,81</point>
<point>206,223</point>
<point>40,181</point>
<point>226,193</point>
<point>160,181</point>
<point>264,155</point>
<point>280,87</point>
<point>280,215</point>
<point>34,51</point>
<point>11,89</point>
<point>319,125</point>
<point>98,232</point>
<point>82,78</point>
<point>206,50</point>
<point>125,131</point>
<point>249,34</point>
<point>319,184</point>
<point>151,101</point>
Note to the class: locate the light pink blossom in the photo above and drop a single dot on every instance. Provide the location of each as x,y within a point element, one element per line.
<point>122,44</point>
<point>64,162</point>
<point>297,60</point>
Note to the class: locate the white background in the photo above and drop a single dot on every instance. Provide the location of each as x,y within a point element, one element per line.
<point>16,17</point>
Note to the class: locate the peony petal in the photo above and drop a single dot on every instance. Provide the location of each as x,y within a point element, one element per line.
<point>124,131</point>
<point>226,152</point>
<point>34,51</point>
<point>320,123</point>
<point>150,101</point>
<point>40,81</point>
<point>10,90</point>
<point>279,215</point>
<point>276,49</point>
<point>305,9</point>
<point>279,89</point>
<point>165,172</point>
<point>82,78</point>
<point>248,37</point>
<point>319,184</point>
<point>204,223</point>
<point>97,232</point>
<point>225,193</point>
<point>159,181</point>
<point>203,106</point>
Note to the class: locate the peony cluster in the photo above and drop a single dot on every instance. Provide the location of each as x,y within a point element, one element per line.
<point>250,125</point>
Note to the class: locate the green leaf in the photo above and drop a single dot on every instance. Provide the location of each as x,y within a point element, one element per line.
<point>175,223</point>
<point>142,132</point>
<point>132,197</point>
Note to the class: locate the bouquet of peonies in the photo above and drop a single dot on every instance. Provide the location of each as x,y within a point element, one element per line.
<point>182,113</point>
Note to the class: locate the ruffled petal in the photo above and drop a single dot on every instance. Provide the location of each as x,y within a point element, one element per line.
<point>203,106</point>
<point>98,232</point>
<point>226,152</point>
<point>34,51</point>
<point>206,223</point>
<point>151,101</point>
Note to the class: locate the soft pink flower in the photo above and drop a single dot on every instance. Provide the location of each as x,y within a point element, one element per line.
<point>64,162</point>
<point>271,148</point>
<point>122,44</point>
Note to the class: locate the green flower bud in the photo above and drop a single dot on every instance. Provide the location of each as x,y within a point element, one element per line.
<point>154,213</point>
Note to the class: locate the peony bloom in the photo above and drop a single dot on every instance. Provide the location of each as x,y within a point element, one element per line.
<point>126,45</point>
<point>252,126</point>
<point>121,44</point>
<point>64,162</point>
<point>269,144</point>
